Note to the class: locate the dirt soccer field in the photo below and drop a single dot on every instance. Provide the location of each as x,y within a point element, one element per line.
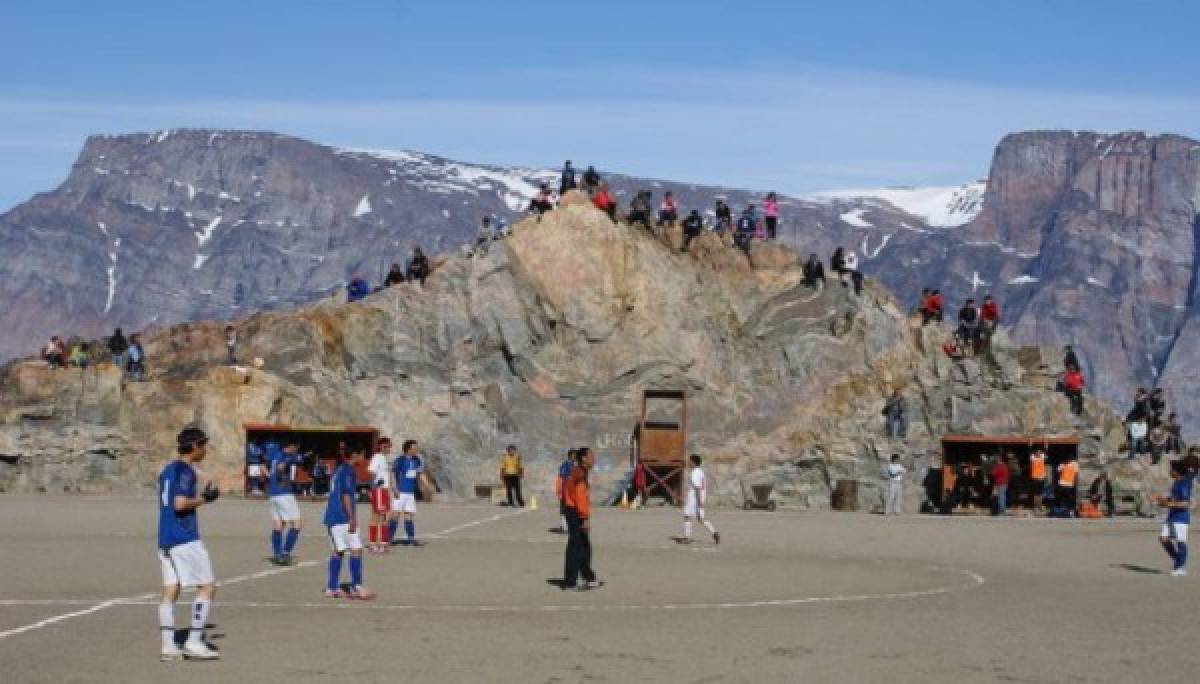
<point>817,597</point>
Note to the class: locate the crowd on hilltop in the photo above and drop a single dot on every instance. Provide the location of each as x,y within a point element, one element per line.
<point>125,353</point>
<point>1150,429</point>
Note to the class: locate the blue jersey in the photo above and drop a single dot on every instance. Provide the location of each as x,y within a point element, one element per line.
<point>280,480</point>
<point>406,470</point>
<point>1181,490</point>
<point>254,454</point>
<point>174,528</point>
<point>342,482</point>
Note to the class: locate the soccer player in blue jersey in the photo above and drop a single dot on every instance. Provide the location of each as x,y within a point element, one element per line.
<point>407,468</point>
<point>182,556</point>
<point>285,513</point>
<point>1173,535</point>
<point>342,522</point>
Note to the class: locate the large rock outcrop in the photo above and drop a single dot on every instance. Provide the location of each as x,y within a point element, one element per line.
<point>547,341</point>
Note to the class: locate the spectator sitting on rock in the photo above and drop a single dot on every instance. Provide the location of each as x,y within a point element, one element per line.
<point>968,324</point>
<point>603,200</point>
<point>230,345</point>
<point>357,288</point>
<point>395,276</point>
<point>499,227</point>
<point>136,365</point>
<point>117,346</point>
<point>639,209</point>
<point>1069,359</point>
<point>724,217</point>
<point>1138,431</point>
<point>418,267</point>
<point>1158,406</point>
<point>950,348</point>
<point>542,202</point>
<point>693,225</point>
<point>55,353</point>
<point>591,181</point>
<point>745,230</point>
<point>1158,441</point>
<point>485,235</point>
<point>1073,384</point>
<point>989,318</point>
<point>668,211</point>
<point>567,179</point>
<point>814,272</point>
<point>1102,491</point>
<point>850,266</point>
<point>1141,406</point>
<point>79,355</point>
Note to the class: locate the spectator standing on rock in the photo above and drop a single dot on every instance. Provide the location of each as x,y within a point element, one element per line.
<point>511,472</point>
<point>640,208</point>
<point>1175,430</point>
<point>850,262</point>
<point>1138,432</point>
<point>989,318</point>
<point>724,217</point>
<point>357,288</point>
<point>55,353</point>
<point>542,202</point>
<point>894,412</point>
<point>693,225</point>
<point>814,272</point>
<point>1070,360</point>
<point>771,214</point>
<point>968,324</point>
<point>136,365</point>
<point>117,346</point>
<point>567,179</point>
<point>1158,406</point>
<point>1000,478</point>
<point>591,181</point>
<point>1141,406</point>
<point>668,211</point>
<point>79,355</point>
<point>1073,384</point>
<point>894,473</point>
<point>230,345</point>
<point>1158,440</point>
<point>418,267</point>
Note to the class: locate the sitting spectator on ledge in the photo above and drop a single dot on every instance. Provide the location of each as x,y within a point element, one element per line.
<point>357,289</point>
<point>55,354</point>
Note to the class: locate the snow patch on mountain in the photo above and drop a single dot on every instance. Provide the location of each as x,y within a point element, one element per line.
<point>942,207</point>
<point>855,218</point>
<point>364,207</point>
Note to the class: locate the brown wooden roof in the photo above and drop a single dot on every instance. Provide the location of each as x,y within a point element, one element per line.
<point>281,427</point>
<point>1010,439</point>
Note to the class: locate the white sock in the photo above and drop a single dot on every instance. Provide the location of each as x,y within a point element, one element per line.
<point>708,526</point>
<point>563,519</point>
<point>166,623</point>
<point>199,619</point>
<point>687,529</point>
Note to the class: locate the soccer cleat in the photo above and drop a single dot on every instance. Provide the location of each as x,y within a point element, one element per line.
<point>169,653</point>
<point>1179,572</point>
<point>334,593</point>
<point>361,594</point>
<point>200,651</point>
<point>717,538</point>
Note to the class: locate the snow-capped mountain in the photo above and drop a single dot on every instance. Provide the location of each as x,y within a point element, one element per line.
<point>939,207</point>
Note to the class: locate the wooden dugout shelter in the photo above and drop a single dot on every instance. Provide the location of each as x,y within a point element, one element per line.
<point>971,450</point>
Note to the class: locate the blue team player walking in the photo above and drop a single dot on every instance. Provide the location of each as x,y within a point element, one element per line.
<point>407,468</point>
<point>342,522</point>
<point>285,513</point>
<point>182,556</point>
<point>1175,528</point>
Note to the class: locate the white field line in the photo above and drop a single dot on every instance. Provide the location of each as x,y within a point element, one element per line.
<point>144,599</point>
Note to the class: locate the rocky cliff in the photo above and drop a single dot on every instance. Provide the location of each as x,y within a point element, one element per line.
<point>547,341</point>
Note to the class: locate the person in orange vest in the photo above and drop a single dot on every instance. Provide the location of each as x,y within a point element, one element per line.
<point>1068,478</point>
<point>577,498</point>
<point>1037,478</point>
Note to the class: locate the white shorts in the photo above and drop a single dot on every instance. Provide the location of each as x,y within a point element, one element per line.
<point>284,508</point>
<point>404,503</point>
<point>343,540</point>
<point>255,470</point>
<point>692,509</point>
<point>186,565</point>
<point>1175,531</point>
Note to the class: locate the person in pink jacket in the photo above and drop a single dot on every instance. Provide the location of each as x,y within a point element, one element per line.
<point>771,211</point>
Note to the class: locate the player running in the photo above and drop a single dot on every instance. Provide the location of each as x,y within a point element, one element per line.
<point>285,513</point>
<point>181,554</point>
<point>693,507</point>
<point>407,468</point>
<point>342,521</point>
<point>382,529</point>
<point>1173,534</point>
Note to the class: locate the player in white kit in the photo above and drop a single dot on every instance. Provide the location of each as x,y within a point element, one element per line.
<point>695,494</point>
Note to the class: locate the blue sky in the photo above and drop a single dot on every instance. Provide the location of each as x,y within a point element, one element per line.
<point>793,96</point>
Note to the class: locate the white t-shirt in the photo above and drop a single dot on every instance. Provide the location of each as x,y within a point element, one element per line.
<point>895,472</point>
<point>696,491</point>
<point>381,472</point>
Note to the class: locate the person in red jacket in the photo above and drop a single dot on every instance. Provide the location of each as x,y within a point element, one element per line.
<point>1073,385</point>
<point>604,201</point>
<point>1000,487</point>
<point>989,313</point>
<point>577,498</point>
